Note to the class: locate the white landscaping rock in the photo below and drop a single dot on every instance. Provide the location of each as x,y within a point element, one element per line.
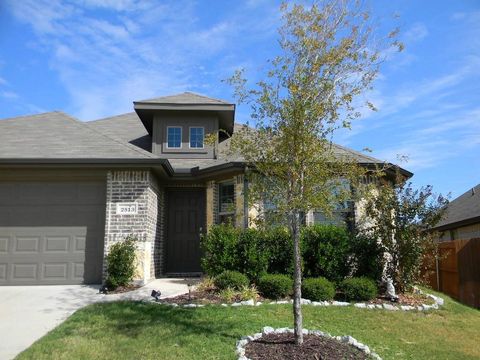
<point>340,303</point>
<point>390,307</point>
<point>407,307</point>
<point>305,301</point>
<point>248,302</point>
<point>236,304</point>
<point>360,305</point>
<point>268,330</point>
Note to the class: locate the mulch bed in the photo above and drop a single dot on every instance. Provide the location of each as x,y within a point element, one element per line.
<point>405,299</point>
<point>199,297</point>
<point>282,346</point>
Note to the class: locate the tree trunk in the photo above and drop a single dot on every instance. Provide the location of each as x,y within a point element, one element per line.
<point>297,285</point>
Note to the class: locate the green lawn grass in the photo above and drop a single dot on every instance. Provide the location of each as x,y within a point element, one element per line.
<point>132,330</point>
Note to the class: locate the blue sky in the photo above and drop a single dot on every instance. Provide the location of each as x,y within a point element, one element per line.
<point>92,58</point>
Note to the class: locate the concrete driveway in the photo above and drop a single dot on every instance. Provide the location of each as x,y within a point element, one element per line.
<point>29,312</point>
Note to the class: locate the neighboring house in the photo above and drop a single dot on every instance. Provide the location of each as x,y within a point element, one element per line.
<point>69,189</point>
<point>462,217</point>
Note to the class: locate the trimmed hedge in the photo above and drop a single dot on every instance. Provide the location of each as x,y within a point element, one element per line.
<point>252,252</point>
<point>231,279</point>
<point>275,286</point>
<point>359,289</point>
<point>318,289</point>
<point>326,252</point>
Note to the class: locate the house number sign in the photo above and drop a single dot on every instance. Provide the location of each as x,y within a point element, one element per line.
<point>127,208</point>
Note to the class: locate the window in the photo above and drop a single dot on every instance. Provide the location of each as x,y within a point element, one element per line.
<point>196,137</point>
<point>226,203</point>
<point>174,137</point>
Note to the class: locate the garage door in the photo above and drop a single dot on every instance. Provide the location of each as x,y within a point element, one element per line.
<point>51,232</point>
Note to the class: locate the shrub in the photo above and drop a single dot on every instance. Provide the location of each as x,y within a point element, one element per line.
<point>121,263</point>
<point>231,279</point>
<point>360,288</point>
<point>228,295</point>
<point>252,254</point>
<point>219,248</point>
<point>318,289</point>
<point>367,257</point>
<point>275,286</point>
<point>249,292</point>
<point>326,250</point>
<point>207,284</point>
<point>279,246</point>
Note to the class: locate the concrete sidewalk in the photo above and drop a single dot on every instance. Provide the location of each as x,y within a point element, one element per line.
<point>29,312</point>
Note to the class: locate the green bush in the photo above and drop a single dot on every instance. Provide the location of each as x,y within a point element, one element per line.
<point>279,247</point>
<point>367,257</point>
<point>318,289</point>
<point>361,289</point>
<point>326,252</point>
<point>121,263</point>
<point>275,286</point>
<point>251,253</point>
<point>231,279</point>
<point>219,249</point>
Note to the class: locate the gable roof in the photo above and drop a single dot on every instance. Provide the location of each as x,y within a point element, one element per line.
<point>56,135</point>
<point>464,209</point>
<point>185,98</point>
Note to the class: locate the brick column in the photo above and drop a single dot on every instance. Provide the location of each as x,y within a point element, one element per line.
<point>140,188</point>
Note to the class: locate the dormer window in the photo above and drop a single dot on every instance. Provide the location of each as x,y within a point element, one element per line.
<point>174,137</point>
<point>196,137</point>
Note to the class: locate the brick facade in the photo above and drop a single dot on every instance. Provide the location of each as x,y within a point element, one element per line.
<point>140,187</point>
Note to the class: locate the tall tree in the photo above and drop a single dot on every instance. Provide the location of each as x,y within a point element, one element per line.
<point>328,58</point>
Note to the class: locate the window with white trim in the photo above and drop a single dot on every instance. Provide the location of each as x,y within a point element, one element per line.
<point>196,137</point>
<point>174,137</point>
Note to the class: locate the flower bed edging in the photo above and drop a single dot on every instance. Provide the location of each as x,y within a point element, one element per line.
<point>424,307</point>
<point>243,342</point>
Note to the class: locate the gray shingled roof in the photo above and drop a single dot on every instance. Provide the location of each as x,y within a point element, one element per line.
<point>185,98</point>
<point>463,208</point>
<point>56,135</point>
<point>124,127</point>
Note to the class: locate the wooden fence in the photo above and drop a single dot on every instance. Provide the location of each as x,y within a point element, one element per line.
<point>457,271</point>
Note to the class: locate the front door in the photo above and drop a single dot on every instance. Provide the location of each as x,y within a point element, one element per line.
<point>185,222</point>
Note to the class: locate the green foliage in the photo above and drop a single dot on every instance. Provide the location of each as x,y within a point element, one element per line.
<point>249,251</point>
<point>207,284</point>
<point>403,217</point>
<point>318,289</point>
<point>249,292</point>
<point>326,252</point>
<point>366,257</point>
<point>219,249</point>
<point>121,263</point>
<point>359,289</point>
<point>231,279</point>
<point>275,286</point>
<point>228,295</point>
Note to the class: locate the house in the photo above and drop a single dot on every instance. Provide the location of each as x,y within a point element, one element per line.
<point>69,189</point>
<point>462,217</point>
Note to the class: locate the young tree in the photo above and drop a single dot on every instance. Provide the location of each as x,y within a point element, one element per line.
<point>401,219</point>
<point>328,58</point>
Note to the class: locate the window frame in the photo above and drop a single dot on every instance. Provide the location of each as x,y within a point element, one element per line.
<point>181,135</point>
<point>190,137</point>
<point>230,213</point>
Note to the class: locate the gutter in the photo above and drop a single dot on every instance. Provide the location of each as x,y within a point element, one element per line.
<point>88,162</point>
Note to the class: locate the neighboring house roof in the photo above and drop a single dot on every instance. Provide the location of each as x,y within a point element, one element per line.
<point>464,210</point>
<point>56,135</point>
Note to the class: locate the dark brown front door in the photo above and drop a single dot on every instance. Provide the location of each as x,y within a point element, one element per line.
<point>185,222</point>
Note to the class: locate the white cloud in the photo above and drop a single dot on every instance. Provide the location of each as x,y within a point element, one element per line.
<point>142,49</point>
<point>9,95</point>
